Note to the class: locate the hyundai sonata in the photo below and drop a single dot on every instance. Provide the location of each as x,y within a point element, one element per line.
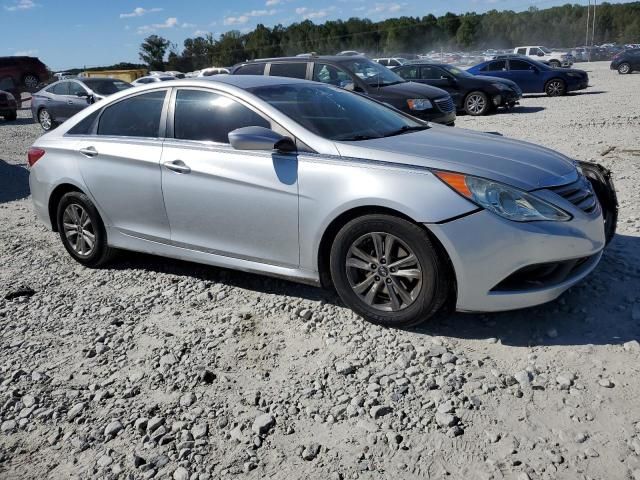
<point>311,183</point>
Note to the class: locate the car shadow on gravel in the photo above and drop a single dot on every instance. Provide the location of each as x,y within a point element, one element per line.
<point>597,311</point>
<point>524,109</point>
<point>577,93</point>
<point>16,122</point>
<point>14,182</point>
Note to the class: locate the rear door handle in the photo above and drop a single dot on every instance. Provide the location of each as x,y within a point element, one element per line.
<point>177,166</point>
<point>89,151</point>
<point>69,102</point>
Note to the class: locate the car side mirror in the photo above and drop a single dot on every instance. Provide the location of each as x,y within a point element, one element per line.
<point>540,54</point>
<point>260,138</point>
<point>83,94</point>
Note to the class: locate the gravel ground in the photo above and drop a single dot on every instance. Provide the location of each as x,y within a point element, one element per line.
<point>165,369</point>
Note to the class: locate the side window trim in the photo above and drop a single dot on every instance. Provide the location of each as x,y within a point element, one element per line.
<point>162,128</point>
<point>171,110</point>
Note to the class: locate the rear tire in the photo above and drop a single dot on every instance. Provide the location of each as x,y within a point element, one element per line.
<point>624,68</point>
<point>30,81</point>
<point>477,103</point>
<point>555,87</point>
<point>388,271</point>
<point>82,231</point>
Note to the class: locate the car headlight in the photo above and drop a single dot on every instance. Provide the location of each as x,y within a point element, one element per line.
<point>501,86</point>
<point>419,104</point>
<point>505,201</point>
<point>10,96</point>
<point>574,75</point>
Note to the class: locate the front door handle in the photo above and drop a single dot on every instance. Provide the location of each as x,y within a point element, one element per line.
<point>89,151</point>
<point>69,102</point>
<point>177,166</point>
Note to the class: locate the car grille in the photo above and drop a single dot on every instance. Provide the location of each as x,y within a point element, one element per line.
<point>445,104</point>
<point>580,193</point>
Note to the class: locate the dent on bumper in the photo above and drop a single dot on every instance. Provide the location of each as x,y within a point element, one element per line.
<point>486,249</point>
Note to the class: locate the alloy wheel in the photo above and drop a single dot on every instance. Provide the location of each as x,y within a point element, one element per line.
<point>79,230</point>
<point>30,81</point>
<point>383,271</point>
<point>624,68</point>
<point>555,88</point>
<point>476,104</point>
<point>45,119</point>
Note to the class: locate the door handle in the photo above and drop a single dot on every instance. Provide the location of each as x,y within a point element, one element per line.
<point>177,166</point>
<point>89,151</point>
<point>69,102</point>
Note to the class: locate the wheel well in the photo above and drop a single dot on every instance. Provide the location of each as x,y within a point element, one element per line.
<point>334,227</point>
<point>54,200</point>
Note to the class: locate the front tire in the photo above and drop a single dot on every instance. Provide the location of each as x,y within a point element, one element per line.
<point>554,64</point>
<point>555,87</point>
<point>624,68</point>
<point>46,120</point>
<point>82,231</point>
<point>387,270</point>
<point>477,104</point>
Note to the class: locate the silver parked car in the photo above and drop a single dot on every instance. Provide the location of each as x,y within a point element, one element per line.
<point>312,183</point>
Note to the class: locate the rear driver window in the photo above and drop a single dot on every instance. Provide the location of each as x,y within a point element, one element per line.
<point>137,116</point>
<point>207,116</point>
<point>291,70</point>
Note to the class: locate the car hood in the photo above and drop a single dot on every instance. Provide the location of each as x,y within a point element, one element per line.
<point>407,90</point>
<point>520,164</point>
<point>504,81</point>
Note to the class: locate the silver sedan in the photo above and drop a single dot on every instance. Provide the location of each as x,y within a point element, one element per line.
<point>315,184</point>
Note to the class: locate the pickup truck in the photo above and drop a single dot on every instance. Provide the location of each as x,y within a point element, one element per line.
<point>554,59</point>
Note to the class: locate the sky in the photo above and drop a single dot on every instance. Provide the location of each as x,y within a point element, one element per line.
<point>84,33</point>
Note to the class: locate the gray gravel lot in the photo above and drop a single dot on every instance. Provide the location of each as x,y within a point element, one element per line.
<point>154,368</point>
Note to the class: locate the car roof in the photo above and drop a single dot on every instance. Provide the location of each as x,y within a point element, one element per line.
<point>328,58</point>
<point>245,81</point>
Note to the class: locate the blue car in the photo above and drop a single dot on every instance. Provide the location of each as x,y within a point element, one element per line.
<point>533,76</point>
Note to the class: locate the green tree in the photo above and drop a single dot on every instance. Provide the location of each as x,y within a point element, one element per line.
<point>153,50</point>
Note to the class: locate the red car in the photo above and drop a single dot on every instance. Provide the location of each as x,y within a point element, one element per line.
<point>8,106</point>
<point>26,72</point>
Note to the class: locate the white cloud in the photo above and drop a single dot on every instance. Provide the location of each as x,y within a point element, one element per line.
<point>168,23</point>
<point>309,14</point>
<point>200,33</point>
<point>271,3</point>
<point>188,25</point>
<point>139,11</point>
<point>386,8</point>
<point>245,17</point>
<point>26,53</point>
<point>21,5</point>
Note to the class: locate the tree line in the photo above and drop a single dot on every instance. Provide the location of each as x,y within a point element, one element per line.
<point>563,26</point>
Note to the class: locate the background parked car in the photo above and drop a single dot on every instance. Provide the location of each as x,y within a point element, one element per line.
<point>208,72</point>
<point>361,75</point>
<point>476,95</point>
<point>391,62</point>
<point>8,106</point>
<point>26,72</point>
<point>627,61</point>
<point>538,52</point>
<point>152,79</point>
<point>534,77</point>
<point>61,100</point>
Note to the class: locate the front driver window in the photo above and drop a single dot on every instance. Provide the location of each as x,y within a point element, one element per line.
<point>76,89</point>
<point>325,73</point>
<point>208,116</point>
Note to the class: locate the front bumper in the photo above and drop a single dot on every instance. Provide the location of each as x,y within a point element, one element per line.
<point>488,251</point>
<point>435,115</point>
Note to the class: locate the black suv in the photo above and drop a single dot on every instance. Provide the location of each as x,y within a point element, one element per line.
<point>627,61</point>
<point>359,74</point>
<point>473,94</point>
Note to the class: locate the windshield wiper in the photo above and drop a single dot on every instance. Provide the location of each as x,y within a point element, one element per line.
<point>357,137</point>
<point>407,129</point>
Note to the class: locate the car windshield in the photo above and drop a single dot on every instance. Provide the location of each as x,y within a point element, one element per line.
<point>372,73</point>
<point>336,114</point>
<point>107,87</point>
<point>545,50</point>
<point>456,72</point>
